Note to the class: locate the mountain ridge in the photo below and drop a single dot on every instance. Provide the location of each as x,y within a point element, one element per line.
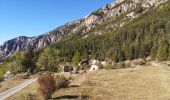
<point>80,26</point>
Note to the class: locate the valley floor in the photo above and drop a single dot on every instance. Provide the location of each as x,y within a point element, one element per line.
<point>140,83</point>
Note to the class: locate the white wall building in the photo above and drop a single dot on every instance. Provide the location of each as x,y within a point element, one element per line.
<point>94,68</point>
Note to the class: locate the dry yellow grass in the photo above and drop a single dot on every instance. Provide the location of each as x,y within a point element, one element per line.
<point>10,83</point>
<point>141,83</point>
<point>25,93</point>
<point>31,90</point>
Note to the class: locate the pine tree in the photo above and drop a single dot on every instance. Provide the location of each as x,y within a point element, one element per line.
<point>121,56</point>
<point>76,58</point>
<point>29,60</point>
<point>162,53</point>
<point>18,58</point>
<point>49,59</point>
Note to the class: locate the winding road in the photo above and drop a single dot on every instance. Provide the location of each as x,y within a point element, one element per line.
<point>15,89</point>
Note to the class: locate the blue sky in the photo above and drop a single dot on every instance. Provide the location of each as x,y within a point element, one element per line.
<point>35,17</point>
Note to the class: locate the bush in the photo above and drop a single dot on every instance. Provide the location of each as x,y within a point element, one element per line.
<point>1,78</point>
<point>30,96</point>
<point>124,65</point>
<point>47,85</point>
<point>61,82</point>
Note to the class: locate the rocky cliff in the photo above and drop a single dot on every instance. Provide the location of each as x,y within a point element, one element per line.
<point>81,26</point>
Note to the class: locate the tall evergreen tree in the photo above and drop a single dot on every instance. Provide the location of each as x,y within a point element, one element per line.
<point>49,59</point>
<point>76,58</point>
<point>162,53</point>
<point>18,58</point>
<point>29,60</point>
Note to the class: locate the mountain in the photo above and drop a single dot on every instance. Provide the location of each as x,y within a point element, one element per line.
<point>112,16</point>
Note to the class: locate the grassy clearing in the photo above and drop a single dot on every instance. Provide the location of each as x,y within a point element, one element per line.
<point>149,83</point>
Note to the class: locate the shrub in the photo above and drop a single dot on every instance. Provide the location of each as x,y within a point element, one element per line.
<point>30,96</point>
<point>47,85</point>
<point>1,78</point>
<point>61,82</point>
<point>124,65</point>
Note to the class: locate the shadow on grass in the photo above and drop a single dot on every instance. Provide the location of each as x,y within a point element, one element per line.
<point>72,97</point>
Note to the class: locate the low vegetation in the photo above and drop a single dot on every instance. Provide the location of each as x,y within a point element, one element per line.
<point>47,85</point>
<point>61,82</point>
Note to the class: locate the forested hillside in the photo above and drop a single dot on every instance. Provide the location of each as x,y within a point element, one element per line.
<point>147,35</point>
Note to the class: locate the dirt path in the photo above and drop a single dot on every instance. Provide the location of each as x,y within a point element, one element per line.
<point>15,89</point>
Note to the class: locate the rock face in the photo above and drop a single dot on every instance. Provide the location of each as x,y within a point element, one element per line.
<point>81,26</point>
<point>145,3</point>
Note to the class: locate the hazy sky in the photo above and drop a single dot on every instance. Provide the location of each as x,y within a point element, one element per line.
<point>35,17</point>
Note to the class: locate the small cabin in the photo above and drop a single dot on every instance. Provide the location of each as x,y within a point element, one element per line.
<point>94,68</point>
<point>67,68</point>
<point>84,62</point>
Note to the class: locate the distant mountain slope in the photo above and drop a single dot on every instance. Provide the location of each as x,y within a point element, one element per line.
<point>113,16</point>
<point>146,35</point>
